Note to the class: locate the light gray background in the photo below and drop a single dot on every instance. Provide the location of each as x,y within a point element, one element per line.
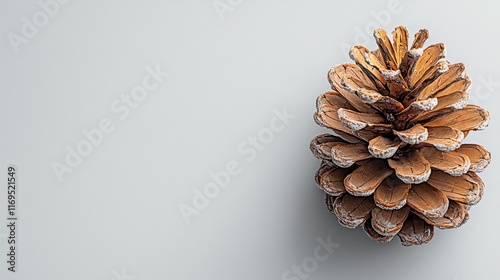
<point>118,211</point>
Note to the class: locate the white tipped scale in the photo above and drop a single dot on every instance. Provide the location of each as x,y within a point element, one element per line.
<point>345,155</point>
<point>467,189</point>
<point>480,158</point>
<point>472,117</point>
<point>416,52</point>
<point>412,168</point>
<point>348,122</point>
<point>425,105</point>
<point>453,163</point>
<point>443,66</point>
<point>427,200</point>
<point>382,147</point>
<point>356,121</point>
<point>414,135</point>
<point>390,74</point>
<point>445,139</point>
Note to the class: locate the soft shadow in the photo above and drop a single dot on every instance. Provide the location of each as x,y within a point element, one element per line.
<point>313,220</point>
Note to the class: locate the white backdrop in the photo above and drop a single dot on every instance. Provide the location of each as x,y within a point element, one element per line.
<point>118,114</point>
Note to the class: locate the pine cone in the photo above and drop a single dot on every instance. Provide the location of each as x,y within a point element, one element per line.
<point>397,165</point>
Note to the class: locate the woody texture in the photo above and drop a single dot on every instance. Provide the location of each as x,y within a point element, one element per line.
<point>396,163</point>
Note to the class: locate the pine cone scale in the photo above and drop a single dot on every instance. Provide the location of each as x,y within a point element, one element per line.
<point>415,231</point>
<point>389,222</point>
<point>453,218</point>
<point>479,157</point>
<point>391,194</point>
<point>428,201</point>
